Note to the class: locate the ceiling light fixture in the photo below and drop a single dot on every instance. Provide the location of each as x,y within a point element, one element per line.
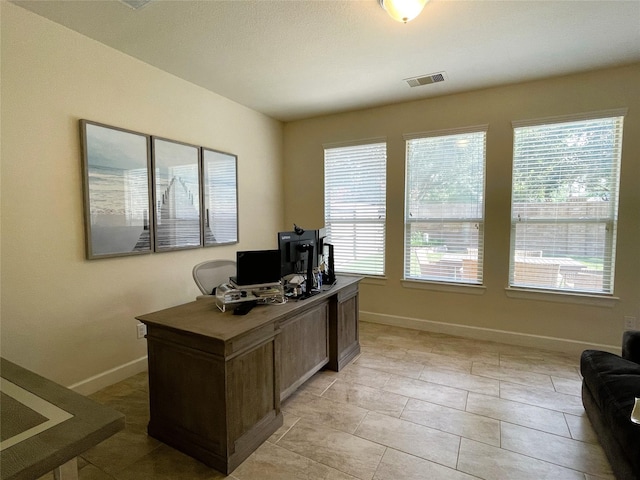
<point>403,10</point>
<point>135,4</point>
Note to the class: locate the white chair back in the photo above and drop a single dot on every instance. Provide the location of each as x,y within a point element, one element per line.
<point>212,273</point>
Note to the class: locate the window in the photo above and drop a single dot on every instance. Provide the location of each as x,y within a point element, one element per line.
<point>444,205</point>
<point>564,204</point>
<point>355,206</point>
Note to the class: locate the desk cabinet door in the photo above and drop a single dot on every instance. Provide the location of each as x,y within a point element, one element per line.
<point>304,347</point>
<point>344,329</point>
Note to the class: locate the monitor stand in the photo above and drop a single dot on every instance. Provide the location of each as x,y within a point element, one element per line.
<point>308,288</point>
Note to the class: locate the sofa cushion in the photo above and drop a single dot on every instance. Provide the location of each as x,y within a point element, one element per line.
<point>614,384</point>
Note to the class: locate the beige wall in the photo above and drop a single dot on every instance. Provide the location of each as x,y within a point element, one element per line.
<point>554,324</point>
<point>65,317</point>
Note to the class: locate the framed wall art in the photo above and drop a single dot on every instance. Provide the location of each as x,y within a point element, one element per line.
<point>116,180</point>
<point>176,179</point>
<point>219,197</point>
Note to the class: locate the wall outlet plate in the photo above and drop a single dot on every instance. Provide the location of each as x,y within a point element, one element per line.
<point>630,323</point>
<point>142,330</point>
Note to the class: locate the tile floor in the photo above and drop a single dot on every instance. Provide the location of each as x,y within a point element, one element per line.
<point>414,405</point>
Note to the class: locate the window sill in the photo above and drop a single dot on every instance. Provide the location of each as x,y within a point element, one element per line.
<point>466,288</point>
<point>366,280</point>
<point>562,297</point>
<point>374,281</point>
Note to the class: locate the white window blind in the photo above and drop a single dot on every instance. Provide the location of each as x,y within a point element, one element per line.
<point>564,205</point>
<point>355,206</point>
<point>444,205</point>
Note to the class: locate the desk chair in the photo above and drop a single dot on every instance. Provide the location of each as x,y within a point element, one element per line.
<point>212,273</point>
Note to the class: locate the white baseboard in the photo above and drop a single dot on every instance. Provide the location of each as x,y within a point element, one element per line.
<point>480,333</point>
<point>115,375</point>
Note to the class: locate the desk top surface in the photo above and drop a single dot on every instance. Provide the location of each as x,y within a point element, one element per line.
<point>202,317</point>
<point>44,425</point>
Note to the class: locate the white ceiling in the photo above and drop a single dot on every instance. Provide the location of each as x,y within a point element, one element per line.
<point>294,59</point>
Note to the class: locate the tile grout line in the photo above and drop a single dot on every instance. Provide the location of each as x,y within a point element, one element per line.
<point>380,461</point>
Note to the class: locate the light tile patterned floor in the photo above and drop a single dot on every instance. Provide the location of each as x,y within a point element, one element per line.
<point>413,406</point>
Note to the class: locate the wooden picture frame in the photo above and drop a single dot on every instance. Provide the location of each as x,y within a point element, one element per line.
<point>176,194</point>
<point>116,188</point>
<point>219,197</point>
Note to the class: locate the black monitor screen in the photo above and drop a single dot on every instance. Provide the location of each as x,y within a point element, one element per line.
<point>257,266</point>
<point>295,251</point>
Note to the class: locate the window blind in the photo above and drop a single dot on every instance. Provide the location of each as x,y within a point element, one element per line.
<point>564,207</point>
<point>444,206</point>
<point>355,206</point>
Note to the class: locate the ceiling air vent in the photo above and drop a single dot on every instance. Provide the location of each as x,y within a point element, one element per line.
<point>425,79</point>
<point>135,4</point>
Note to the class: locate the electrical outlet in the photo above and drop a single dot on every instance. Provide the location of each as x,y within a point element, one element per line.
<point>630,323</point>
<point>142,330</point>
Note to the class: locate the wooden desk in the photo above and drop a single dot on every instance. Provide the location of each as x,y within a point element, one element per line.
<point>216,379</point>
<point>45,426</point>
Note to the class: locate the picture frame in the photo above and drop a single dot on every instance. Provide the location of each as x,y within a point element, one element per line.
<point>176,193</point>
<point>116,191</point>
<point>219,197</point>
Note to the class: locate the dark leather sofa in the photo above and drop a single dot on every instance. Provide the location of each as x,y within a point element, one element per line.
<point>609,387</point>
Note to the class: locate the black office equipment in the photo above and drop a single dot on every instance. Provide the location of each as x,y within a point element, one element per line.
<point>256,267</point>
<point>301,252</point>
<point>244,308</point>
<point>295,250</point>
<point>329,275</point>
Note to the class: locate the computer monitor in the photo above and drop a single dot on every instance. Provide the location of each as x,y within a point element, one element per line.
<point>299,250</point>
<point>255,267</point>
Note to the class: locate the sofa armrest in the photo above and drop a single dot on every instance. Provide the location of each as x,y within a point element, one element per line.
<point>631,345</point>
